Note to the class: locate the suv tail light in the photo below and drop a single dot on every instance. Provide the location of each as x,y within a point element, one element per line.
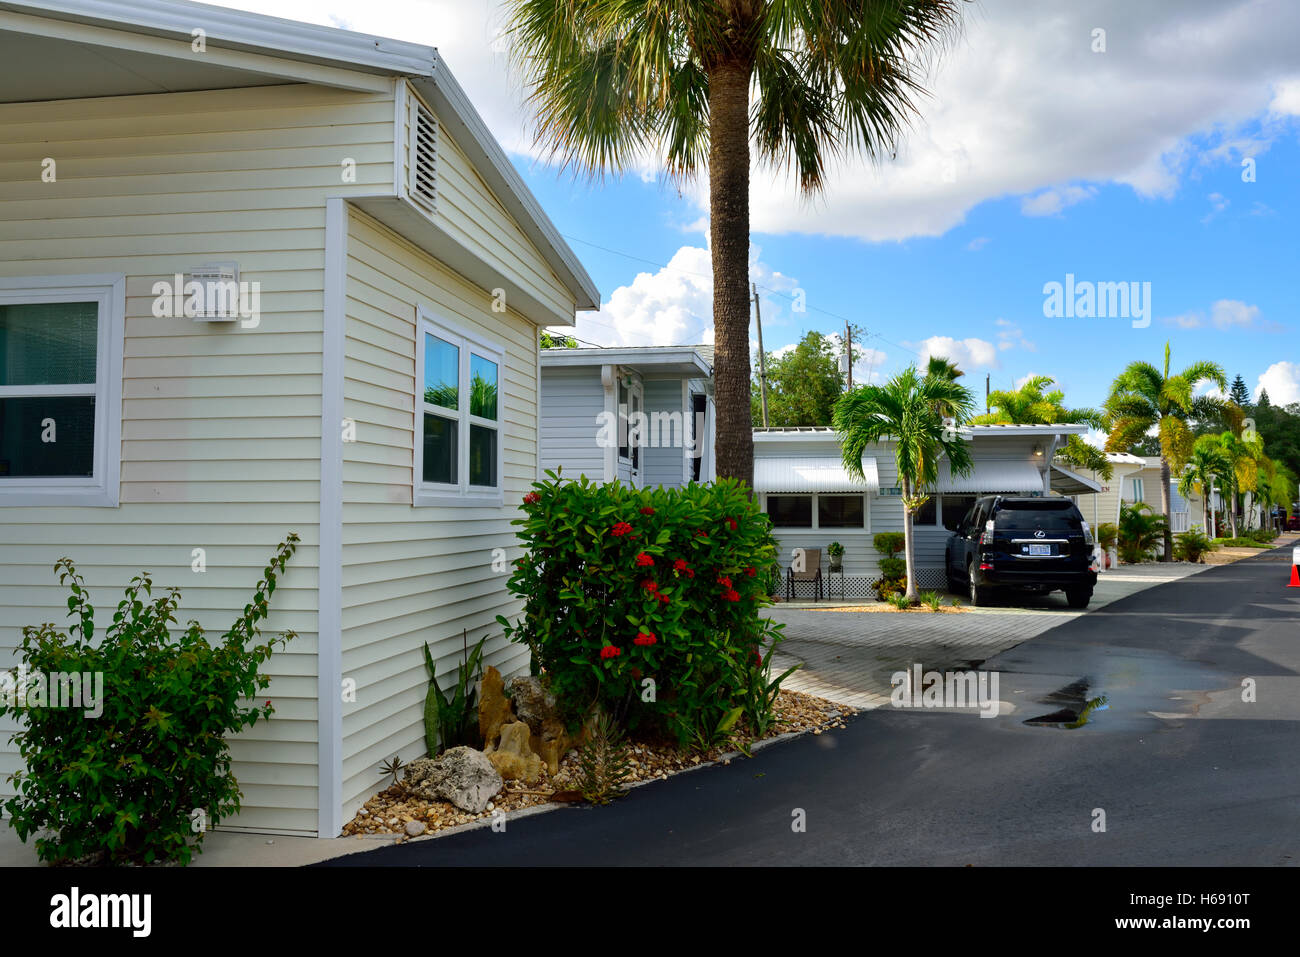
<point>987,535</point>
<point>1087,534</point>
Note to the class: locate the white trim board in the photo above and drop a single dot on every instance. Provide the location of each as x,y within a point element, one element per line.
<point>329,625</point>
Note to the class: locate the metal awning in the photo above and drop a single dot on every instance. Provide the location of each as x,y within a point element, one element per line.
<point>812,473</point>
<point>992,476</point>
<point>1072,483</point>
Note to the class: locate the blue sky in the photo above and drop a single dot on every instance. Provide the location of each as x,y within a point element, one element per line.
<point>1104,140</point>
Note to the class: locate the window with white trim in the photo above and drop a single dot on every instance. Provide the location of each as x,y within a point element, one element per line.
<point>828,510</point>
<point>459,417</point>
<point>60,389</point>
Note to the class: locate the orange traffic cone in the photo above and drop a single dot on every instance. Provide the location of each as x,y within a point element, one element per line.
<point>1295,577</point>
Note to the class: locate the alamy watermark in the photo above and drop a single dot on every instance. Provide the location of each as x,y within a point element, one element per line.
<point>951,689</point>
<point>1098,300</point>
<point>20,688</point>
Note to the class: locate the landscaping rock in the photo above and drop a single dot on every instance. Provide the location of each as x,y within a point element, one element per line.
<point>463,776</point>
<point>513,757</point>
<point>534,703</point>
<point>415,828</point>
<point>493,706</point>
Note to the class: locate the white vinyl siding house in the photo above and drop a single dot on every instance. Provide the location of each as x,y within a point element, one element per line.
<point>593,400</point>
<point>802,468</point>
<point>226,436</point>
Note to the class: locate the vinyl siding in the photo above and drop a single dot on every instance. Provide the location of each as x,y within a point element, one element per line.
<point>572,400</point>
<point>415,575</point>
<point>472,215</point>
<point>220,425</point>
<point>664,458</point>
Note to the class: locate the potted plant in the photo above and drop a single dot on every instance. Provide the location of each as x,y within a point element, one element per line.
<point>1107,537</point>
<point>836,552</point>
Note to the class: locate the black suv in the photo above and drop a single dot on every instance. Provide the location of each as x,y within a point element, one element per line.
<point>1030,544</point>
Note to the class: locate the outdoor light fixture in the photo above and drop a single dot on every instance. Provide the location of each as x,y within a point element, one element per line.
<point>1038,451</point>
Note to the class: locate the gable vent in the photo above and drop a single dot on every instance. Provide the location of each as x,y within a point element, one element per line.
<point>423,154</point>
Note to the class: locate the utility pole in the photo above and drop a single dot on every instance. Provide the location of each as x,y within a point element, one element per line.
<point>848,342</point>
<point>986,393</point>
<point>762,356</point>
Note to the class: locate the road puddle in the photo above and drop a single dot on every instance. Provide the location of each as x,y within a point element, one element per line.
<point>1078,707</point>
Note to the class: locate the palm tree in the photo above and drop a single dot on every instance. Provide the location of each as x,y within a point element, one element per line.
<point>613,81</point>
<point>1242,455</point>
<point>1031,405</point>
<point>1143,398</point>
<point>906,410</point>
<point>1207,465</point>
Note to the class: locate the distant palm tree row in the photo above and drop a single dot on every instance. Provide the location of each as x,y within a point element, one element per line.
<point>921,412</point>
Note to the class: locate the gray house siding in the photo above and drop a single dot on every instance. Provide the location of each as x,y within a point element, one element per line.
<point>663,462</point>
<point>572,400</point>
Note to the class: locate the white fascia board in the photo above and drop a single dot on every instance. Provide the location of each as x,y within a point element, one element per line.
<point>456,111</point>
<point>683,358</point>
<point>405,220</point>
<point>241,30</point>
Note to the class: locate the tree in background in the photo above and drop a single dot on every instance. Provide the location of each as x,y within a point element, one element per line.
<point>1031,405</point>
<point>1207,467</point>
<point>1239,395</point>
<point>905,411</point>
<point>550,340</point>
<point>698,84</point>
<point>1143,397</point>
<point>802,385</point>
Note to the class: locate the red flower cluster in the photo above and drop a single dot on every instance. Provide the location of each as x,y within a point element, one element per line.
<point>750,572</point>
<point>621,529</point>
<point>731,524</point>
<point>663,598</point>
<point>650,585</point>
<point>643,560</point>
<point>644,638</point>
<point>724,581</point>
<point>647,510</point>
<point>700,533</point>
<point>532,498</point>
<point>610,651</point>
<point>731,595</point>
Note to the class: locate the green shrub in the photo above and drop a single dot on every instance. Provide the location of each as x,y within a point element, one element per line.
<point>899,601</point>
<point>646,602</point>
<point>142,781</point>
<point>1140,532</point>
<point>1107,535</point>
<point>452,722</point>
<point>893,570</point>
<point>1193,545</point>
<point>889,543</point>
<point>932,600</point>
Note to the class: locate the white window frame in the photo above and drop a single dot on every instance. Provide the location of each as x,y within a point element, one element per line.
<point>816,517</point>
<point>1139,490</point>
<point>460,493</point>
<point>102,487</point>
<point>635,401</point>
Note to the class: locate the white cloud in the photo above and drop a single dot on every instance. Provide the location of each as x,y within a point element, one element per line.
<point>1286,98</point>
<point>978,243</point>
<point>1051,201</point>
<point>1010,336</point>
<point>1229,313</point>
<point>674,305</point>
<point>966,353</point>
<point>1282,380</point>
<point>1218,203</point>
<point>1019,106</point>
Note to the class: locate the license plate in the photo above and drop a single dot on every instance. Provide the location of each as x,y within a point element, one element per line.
<point>1039,549</point>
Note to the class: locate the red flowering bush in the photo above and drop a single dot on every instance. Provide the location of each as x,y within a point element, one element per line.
<point>615,613</point>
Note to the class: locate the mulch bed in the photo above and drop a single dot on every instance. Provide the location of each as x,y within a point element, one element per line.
<point>389,811</point>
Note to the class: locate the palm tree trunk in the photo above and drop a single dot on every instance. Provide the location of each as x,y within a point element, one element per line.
<point>1167,505</point>
<point>909,554</point>
<point>729,241</point>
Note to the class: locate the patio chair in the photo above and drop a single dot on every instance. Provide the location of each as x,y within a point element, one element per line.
<point>812,572</point>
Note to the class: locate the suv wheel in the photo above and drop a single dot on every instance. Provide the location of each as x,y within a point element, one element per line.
<point>1078,597</point>
<point>978,596</point>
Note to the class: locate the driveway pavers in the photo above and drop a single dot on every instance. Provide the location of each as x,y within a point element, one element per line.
<point>849,656</point>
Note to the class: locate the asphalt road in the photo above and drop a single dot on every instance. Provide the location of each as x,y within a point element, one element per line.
<point>1185,771</point>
